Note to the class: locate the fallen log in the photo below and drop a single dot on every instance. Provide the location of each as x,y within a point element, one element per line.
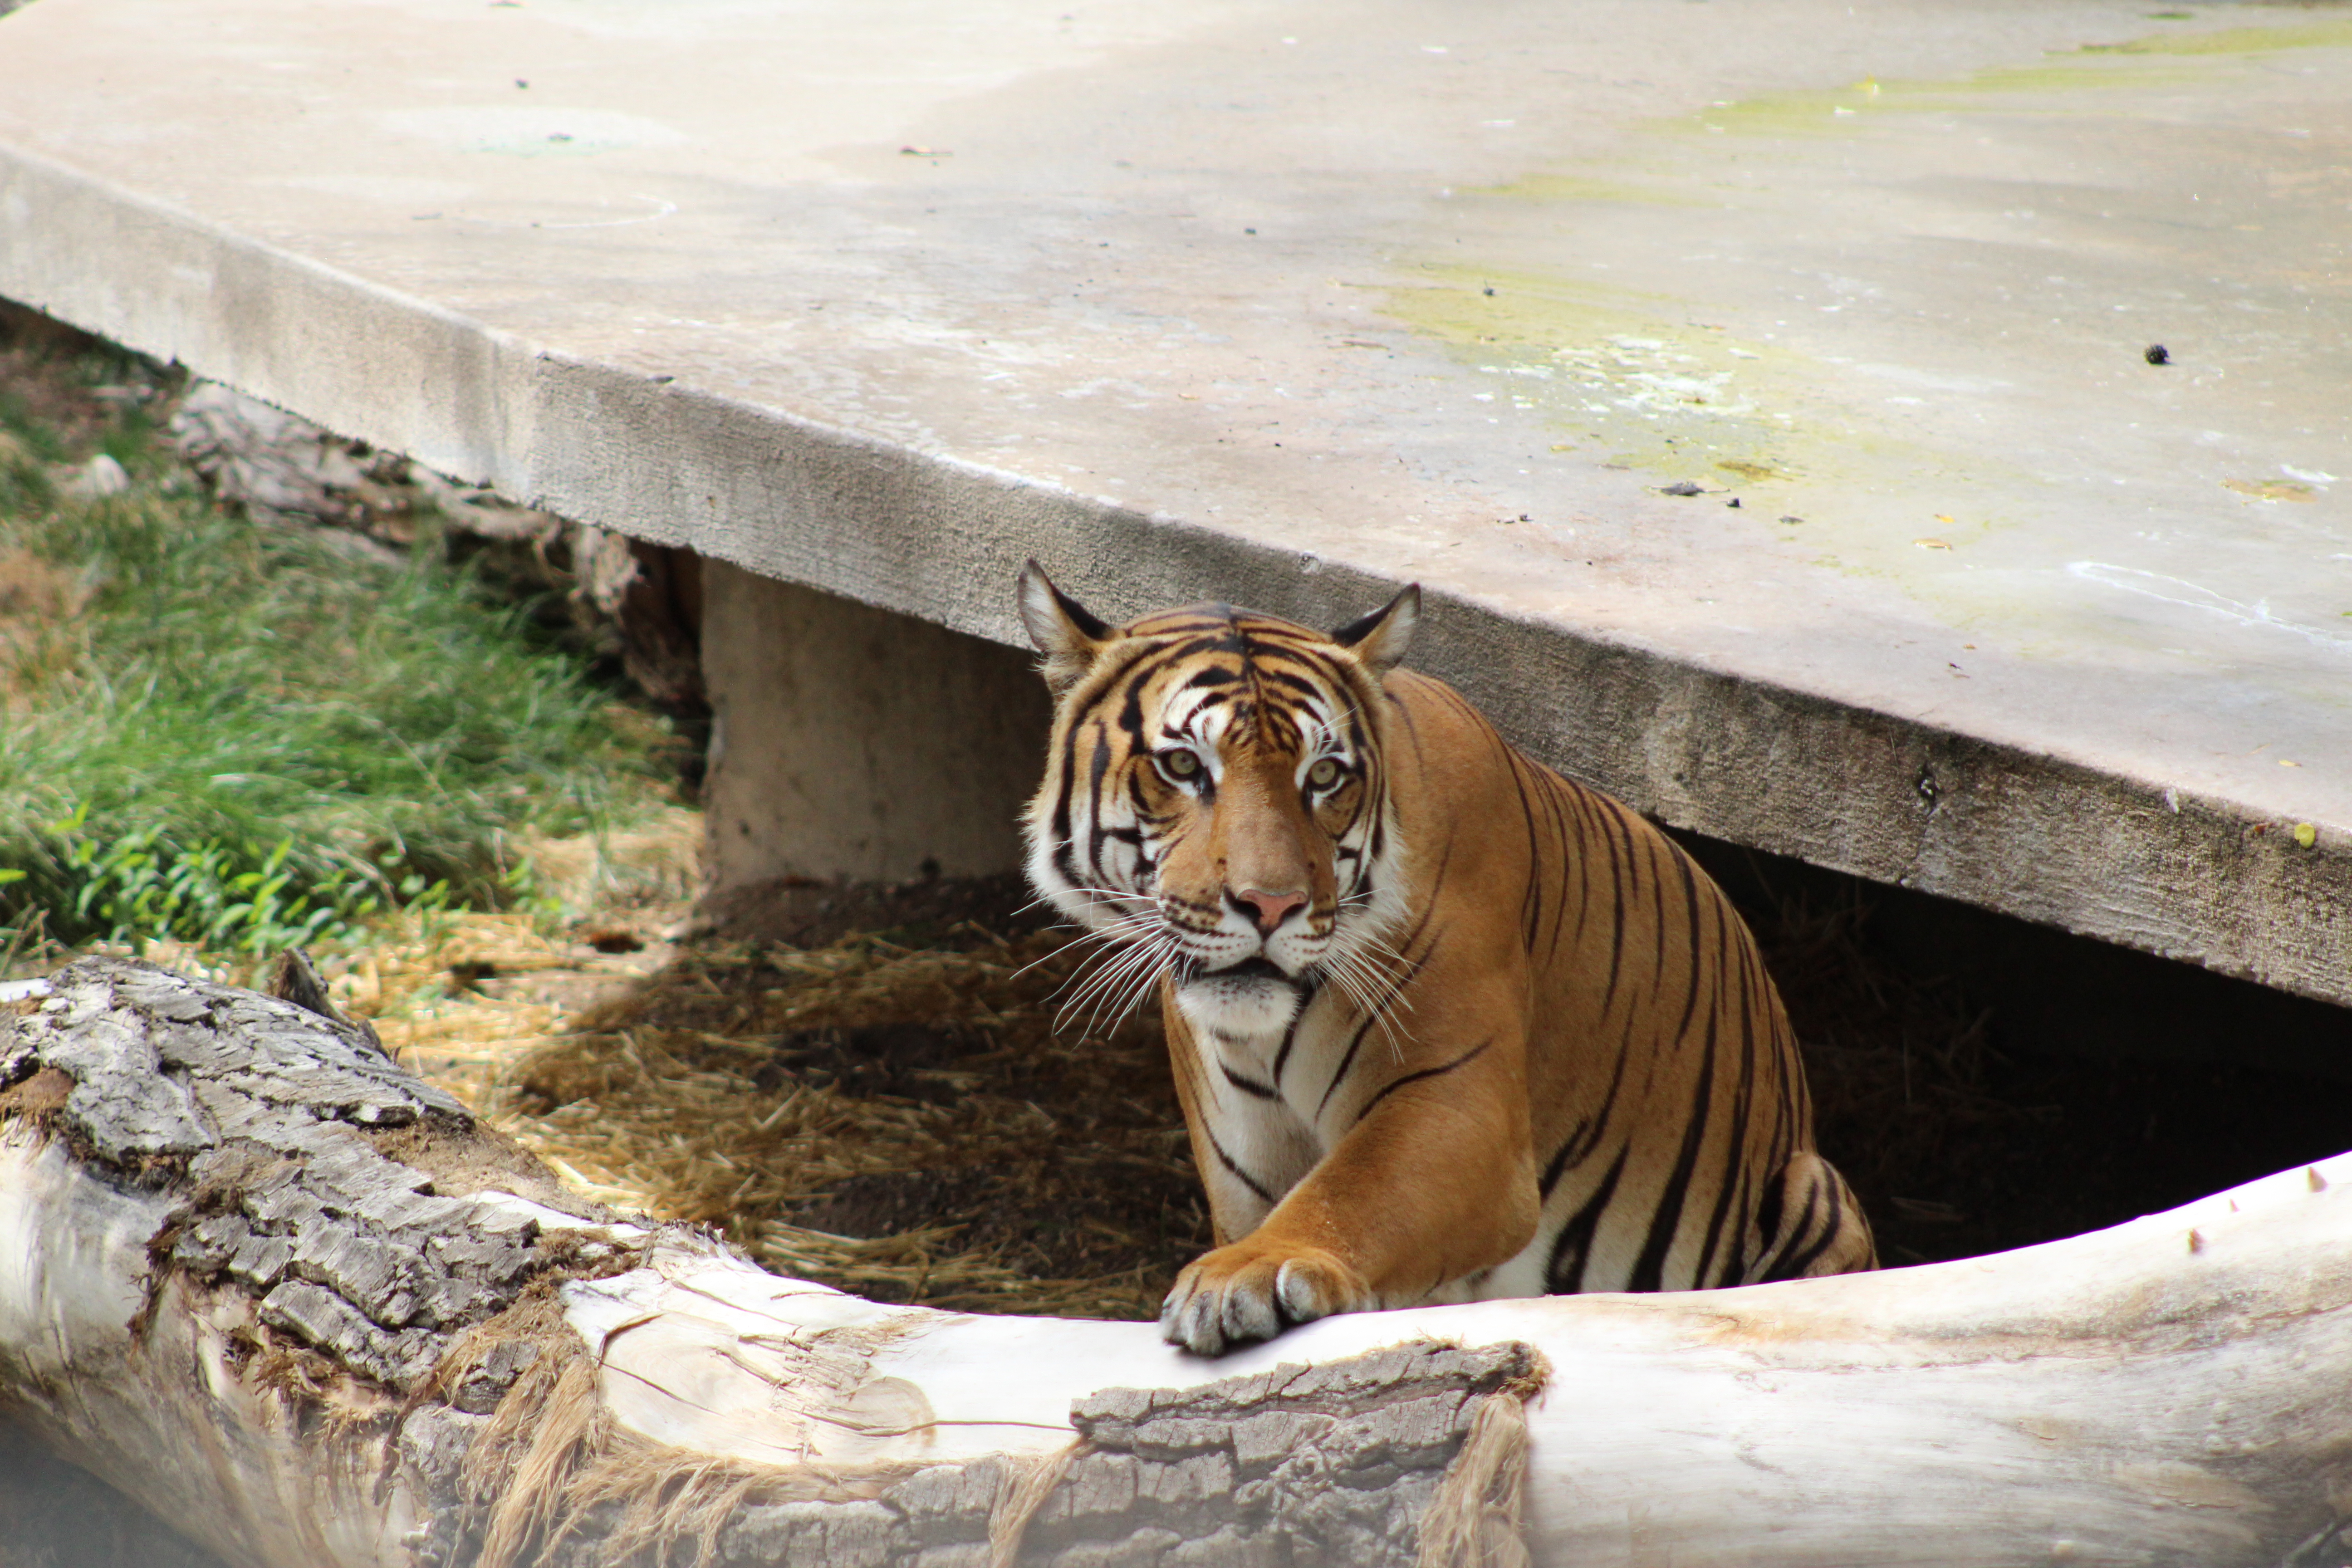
<point>301,1306</point>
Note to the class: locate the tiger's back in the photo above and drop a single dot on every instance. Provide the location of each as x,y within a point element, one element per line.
<point>1444,1024</point>
<point>1668,1106</point>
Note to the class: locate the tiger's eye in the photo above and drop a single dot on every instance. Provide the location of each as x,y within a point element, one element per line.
<point>1178,764</point>
<point>1324,773</point>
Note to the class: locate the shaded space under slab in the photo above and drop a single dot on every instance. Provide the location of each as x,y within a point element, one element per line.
<point>1986,1084</point>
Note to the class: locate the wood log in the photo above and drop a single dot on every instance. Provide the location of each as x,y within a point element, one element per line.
<point>300,1305</point>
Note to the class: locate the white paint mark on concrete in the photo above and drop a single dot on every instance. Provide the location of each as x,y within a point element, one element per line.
<point>2190,595</point>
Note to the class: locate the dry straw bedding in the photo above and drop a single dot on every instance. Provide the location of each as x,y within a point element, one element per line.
<point>903,1121</point>
<point>919,1100</point>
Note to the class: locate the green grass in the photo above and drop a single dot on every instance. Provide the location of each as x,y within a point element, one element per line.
<point>239,734</point>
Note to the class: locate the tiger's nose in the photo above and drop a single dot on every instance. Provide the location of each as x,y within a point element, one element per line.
<point>1271,907</point>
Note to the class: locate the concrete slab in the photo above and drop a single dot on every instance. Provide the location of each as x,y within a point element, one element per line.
<point>1280,300</point>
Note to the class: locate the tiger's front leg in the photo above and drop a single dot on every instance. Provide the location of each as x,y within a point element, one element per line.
<point>1434,1179</point>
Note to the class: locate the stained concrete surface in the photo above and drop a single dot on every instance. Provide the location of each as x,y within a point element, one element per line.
<point>1282,302</point>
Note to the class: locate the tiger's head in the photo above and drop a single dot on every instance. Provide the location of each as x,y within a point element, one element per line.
<point>1215,802</point>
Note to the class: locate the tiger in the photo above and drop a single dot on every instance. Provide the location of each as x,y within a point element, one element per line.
<point>1445,1026</point>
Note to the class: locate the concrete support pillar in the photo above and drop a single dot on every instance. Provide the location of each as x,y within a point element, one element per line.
<point>850,741</point>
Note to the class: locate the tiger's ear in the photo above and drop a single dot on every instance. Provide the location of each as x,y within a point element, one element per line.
<point>1065,631</point>
<point>1380,639</point>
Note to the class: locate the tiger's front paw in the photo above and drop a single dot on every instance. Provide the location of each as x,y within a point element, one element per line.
<point>1252,1291</point>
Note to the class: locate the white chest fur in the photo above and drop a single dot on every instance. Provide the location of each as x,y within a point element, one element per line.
<point>1269,1071</point>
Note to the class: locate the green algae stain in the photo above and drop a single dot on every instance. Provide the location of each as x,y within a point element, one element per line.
<point>1623,375</point>
<point>1842,111</point>
<point>1574,188</point>
<point>1639,382</point>
<point>2329,34</point>
<point>2057,80</point>
<point>1464,305</point>
<point>1755,472</point>
<point>1816,112</point>
<point>1807,113</point>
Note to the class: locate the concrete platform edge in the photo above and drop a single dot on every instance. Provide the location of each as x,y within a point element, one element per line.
<point>2203,880</point>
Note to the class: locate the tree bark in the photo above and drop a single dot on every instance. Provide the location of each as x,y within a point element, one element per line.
<point>298,1304</point>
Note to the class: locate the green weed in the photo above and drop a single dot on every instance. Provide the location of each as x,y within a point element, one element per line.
<point>239,734</point>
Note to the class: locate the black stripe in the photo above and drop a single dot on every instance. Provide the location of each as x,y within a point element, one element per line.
<point>1252,1182</point>
<point>1412,972</point>
<point>1583,833</point>
<point>1371,1017</point>
<point>1833,1231</point>
<point>1137,675</point>
<point>1577,1234</point>
<point>1183,620</point>
<point>1249,1085</point>
<point>1556,806</point>
<point>1794,1117</point>
<point>1787,1239</point>
<point>1649,1268</point>
<point>1096,771</point>
<point>1730,1200</point>
<point>1681,863</point>
<point>1655,898</point>
<point>1403,715</point>
<point>1459,703</point>
<point>1733,1269</point>
<point>1620,875</point>
<point>1290,1038</point>
<point>1559,1165</point>
<point>1135,801</point>
<point>1768,1213</point>
<point>1347,1060</point>
<point>1066,859</point>
<point>1587,1134</point>
<point>1290,679</point>
<point>1531,893</point>
<point>1742,1107</point>
<point>1395,1084</point>
<point>1834,1226</point>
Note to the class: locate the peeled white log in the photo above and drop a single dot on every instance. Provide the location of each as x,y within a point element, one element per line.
<point>2174,1390</point>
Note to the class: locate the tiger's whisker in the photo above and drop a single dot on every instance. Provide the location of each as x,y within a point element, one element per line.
<point>1148,982</point>
<point>1151,961</point>
<point>1104,970</point>
<point>1116,936</point>
<point>1145,962</point>
<point>1108,958</point>
<point>1376,994</point>
<point>1108,978</point>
